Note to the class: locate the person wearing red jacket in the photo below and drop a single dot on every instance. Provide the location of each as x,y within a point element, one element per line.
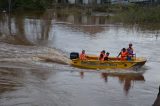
<point>123,54</point>
<point>82,55</point>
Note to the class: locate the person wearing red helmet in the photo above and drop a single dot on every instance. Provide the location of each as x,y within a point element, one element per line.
<point>123,54</point>
<point>83,55</point>
<point>102,54</point>
<point>106,57</point>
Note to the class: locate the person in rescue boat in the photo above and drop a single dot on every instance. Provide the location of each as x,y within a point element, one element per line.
<point>123,54</point>
<point>130,52</point>
<point>106,57</point>
<point>83,55</point>
<point>102,54</point>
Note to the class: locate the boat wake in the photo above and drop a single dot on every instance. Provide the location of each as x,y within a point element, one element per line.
<point>30,54</point>
<point>35,57</point>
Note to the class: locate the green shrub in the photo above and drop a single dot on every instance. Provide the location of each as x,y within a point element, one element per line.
<point>138,14</point>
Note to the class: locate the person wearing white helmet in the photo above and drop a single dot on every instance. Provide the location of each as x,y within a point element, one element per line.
<point>130,52</point>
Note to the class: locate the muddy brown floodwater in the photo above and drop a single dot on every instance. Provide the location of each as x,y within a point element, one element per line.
<point>34,70</point>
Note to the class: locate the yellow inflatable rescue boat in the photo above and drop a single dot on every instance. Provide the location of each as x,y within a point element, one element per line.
<point>92,62</point>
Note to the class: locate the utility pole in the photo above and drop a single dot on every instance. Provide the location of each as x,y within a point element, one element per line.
<point>9,6</point>
<point>9,16</point>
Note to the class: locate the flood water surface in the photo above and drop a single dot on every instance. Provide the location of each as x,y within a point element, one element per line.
<point>34,69</point>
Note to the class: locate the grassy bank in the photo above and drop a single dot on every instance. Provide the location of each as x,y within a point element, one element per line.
<point>139,14</point>
<point>122,13</point>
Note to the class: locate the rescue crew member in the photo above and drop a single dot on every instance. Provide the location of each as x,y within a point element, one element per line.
<point>130,52</point>
<point>106,57</point>
<point>101,56</point>
<point>83,55</point>
<point>123,54</point>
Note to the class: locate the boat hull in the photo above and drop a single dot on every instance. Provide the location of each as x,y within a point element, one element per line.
<point>111,64</point>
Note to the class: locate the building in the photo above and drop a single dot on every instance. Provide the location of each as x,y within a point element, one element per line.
<point>100,2</point>
<point>84,2</point>
<point>140,1</point>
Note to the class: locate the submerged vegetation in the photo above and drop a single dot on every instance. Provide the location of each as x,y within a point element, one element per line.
<point>139,14</point>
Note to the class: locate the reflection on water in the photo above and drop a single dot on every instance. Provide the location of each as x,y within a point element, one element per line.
<point>126,79</point>
<point>16,28</point>
<point>22,87</point>
<point>82,74</point>
<point>10,79</point>
<point>47,87</point>
<point>30,79</point>
<point>40,28</point>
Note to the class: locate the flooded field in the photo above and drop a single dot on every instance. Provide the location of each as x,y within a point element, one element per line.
<point>35,70</point>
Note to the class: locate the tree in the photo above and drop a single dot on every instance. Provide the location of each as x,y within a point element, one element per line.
<point>26,4</point>
<point>3,4</point>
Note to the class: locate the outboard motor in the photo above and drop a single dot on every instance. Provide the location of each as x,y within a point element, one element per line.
<point>74,55</point>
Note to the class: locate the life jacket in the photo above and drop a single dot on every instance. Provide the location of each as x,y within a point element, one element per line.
<point>101,56</point>
<point>124,55</point>
<point>82,56</point>
<point>105,57</point>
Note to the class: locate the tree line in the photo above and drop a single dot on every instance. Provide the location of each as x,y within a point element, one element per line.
<point>25,4</point>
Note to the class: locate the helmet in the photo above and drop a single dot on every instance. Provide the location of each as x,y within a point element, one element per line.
<point>124,49</point>
<point>103,51</point>
<point>130,44</point>
<point>107,53</point>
